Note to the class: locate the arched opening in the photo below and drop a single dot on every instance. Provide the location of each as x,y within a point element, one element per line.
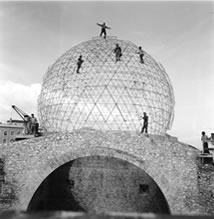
<point>96,184</point>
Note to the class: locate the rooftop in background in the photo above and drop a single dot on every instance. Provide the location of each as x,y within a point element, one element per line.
<point>13,123</point>
<point>9,131</point>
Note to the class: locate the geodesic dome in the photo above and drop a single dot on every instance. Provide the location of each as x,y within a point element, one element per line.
<point>105,95</point>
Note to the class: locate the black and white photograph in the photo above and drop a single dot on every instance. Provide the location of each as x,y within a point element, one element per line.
<point>106,109</point>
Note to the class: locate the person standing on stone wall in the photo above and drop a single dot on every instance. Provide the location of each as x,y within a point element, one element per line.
<point>34,123</point>
<point>205,140</point>
<point>103,29</point>
<point>145,123</point>
<point>118,52</point>
<point>27,124</point>
<point>79,63</point>
<point>141,54</point>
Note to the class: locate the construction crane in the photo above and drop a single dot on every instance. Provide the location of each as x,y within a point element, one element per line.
<point>21,113</point>
<point>26,118</point>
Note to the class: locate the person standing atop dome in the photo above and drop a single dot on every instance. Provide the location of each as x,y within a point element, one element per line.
<point>145,123</point>
<point>79,63</point>
<point>141,54</point>
<point>118,52</point>
<point>103,29</point>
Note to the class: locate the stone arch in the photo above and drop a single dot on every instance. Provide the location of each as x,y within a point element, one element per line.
<point>42,172</point>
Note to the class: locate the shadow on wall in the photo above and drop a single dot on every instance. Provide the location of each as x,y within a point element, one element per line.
<point>98,184</point>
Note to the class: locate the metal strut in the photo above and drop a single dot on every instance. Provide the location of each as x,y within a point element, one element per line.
<point>21,113</point>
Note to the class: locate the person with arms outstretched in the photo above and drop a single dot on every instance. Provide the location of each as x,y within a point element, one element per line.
<point>103,29</point>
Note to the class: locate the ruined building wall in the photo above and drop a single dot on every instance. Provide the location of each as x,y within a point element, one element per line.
<point>98,184</point>
<point>172,165</point>
<point>7,188</point>
<point>206,187</point>
<point>110,184</point>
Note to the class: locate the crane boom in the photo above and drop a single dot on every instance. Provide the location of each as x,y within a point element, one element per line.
<point>21,113</point>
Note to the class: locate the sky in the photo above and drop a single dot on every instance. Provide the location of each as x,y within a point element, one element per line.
<point>179,35</point>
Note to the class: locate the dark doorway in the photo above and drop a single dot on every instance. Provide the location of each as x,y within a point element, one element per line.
<point>96,184</point>
<point>54,193</point>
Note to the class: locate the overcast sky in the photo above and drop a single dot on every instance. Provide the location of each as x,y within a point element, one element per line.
<point>177,34</point>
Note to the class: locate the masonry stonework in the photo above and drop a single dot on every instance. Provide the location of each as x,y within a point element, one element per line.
<point>206,187</point>
<point>98,184</point>
<point>172,166</point>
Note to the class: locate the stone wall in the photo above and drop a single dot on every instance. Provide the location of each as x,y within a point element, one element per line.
<point>109,184</point>
<point>81,215</point>
<point>7,189</point>
<point>172,165</point>
<point>99,184</point>
<point>206,187</point>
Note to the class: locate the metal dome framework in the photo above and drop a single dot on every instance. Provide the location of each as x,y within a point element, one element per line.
<point>106,95</point>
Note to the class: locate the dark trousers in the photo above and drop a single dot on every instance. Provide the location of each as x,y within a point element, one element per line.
<point>141,58</point>
<point>103,31</point>
<point>78,67</point>
<point>145,127</point>
<point>205,148</point>
<point>33,128</point>
<point>118,55</point>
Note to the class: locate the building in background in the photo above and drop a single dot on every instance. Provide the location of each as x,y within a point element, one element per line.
<point>9,131</point>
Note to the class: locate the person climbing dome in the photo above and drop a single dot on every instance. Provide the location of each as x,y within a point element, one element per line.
<point>103,29</point>
<point>141,54</point>
<point>205,139</point>
<point>118,52</point>
<point>145,123</point>
<point>79,63</point>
